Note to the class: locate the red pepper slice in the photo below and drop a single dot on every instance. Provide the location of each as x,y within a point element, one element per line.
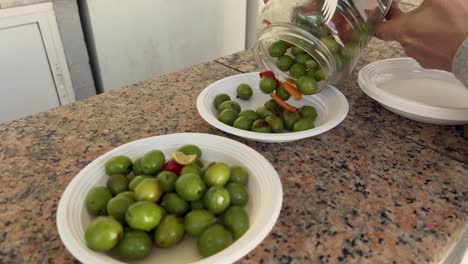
<point>270,74</point>
<point>173,166</point>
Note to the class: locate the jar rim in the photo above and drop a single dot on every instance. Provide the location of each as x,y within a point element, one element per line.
<point>301,38</point>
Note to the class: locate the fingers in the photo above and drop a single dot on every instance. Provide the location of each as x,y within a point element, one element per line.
<point>390,29</point>
<point>394,11</point>
<point>428,59</point>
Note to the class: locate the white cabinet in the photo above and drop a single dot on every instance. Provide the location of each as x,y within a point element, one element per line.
<point>34,75</point>
<point>137,40</point>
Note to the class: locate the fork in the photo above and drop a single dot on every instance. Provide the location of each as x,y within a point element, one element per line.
<point>328,9</point>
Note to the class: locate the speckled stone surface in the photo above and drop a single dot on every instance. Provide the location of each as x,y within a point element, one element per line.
<point>376,189</point>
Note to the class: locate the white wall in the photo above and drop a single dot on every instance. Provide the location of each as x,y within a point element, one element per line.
<point>135,40</point>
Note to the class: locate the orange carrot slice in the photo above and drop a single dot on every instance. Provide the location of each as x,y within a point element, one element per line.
<point>283,104</point>
<point>266,22</point>
<point>292,91</point>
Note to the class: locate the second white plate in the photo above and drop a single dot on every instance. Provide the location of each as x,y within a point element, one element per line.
<point>332,108</point>
<point>403,87</point>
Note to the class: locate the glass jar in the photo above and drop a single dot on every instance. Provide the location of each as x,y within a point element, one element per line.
<point>334,46</point>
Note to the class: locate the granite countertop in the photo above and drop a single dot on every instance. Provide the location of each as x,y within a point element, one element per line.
<point>376,189</point>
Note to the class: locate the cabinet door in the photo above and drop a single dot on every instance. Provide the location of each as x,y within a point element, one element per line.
<point>31,76</point>
<point>26,83</point>
<point>137,40</point>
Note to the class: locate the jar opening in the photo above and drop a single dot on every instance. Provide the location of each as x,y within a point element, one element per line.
<point>300,38</point>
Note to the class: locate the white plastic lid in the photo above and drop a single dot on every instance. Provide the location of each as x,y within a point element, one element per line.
<point>405,88</point>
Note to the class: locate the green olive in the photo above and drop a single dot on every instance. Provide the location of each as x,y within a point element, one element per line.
<point>307,85</point>
<point>144,215</point>
<point>190,187</point>
<point>301,58</point>
<point>230,105</point>
<point>275,123</point>
<point>214,239</point>
<point>219,99</point>
<point>238,193</point>
<point>296,50</point>
<point>217,174</point>
<point>197,205</point>
<point>197,220</point>
<point>311,73</point>
<point>267,85</point>
<point>239,175</point>
<point>330,43</point>
<point>96,200</point>
<point>289,118</point>
<point>282,93</point>
<point>133,184</point>
<point>148,190</point>
<point>261,126</point>
<point>349,51</point>
<point>117,207</point>
<point>237,221</point>
<point>152,162</point>
<point>191,168</point>
<point>137,170</point>
<point>103,234</point>
<point>228,116</point>
<point>297,70</point>
<point>278,49</point>
<point>191,149</point>
<point>284,63</point>
<point>174,204</point>
<point>117,184</point>
<point>216,200</point>
<point>263,112</point>
<point>135,245</point>
<point>244,91</point>
<point>167,179</point>
<point>303,124</point>
<point>272,105</point>
<point>319,75</point>
<point>309,112</point>
<point>169,232</point>
<point>311,64</point>
<point>128,194</point>
<point>340,62</point>
<point>243,123</point>
<point>118,165</point>
<point>250,114</point>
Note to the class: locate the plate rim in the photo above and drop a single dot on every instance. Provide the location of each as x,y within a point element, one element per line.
<point>77,250</point>
<point>205,112</point>
<point>404,104</point>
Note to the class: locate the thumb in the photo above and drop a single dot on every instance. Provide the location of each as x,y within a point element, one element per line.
<point>394,11</point>
<point>390,29</point>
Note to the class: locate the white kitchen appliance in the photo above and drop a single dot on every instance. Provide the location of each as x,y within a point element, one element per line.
<point>135,40</point>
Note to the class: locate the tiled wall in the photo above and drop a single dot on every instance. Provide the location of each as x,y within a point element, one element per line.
<point>12,3</point>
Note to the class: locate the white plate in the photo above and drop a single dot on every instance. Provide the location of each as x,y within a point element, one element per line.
<point>332,108</point>
<point>264,204</point>
<point>402,86</point>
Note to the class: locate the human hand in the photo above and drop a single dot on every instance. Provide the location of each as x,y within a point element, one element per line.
<point>431,34</point>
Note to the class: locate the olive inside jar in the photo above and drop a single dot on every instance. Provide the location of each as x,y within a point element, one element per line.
<point>294,40</point>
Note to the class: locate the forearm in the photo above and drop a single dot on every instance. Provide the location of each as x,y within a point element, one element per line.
<point>460,63</point>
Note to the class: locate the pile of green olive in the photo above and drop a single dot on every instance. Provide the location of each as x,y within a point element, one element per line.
<point>151,201</point>
<point>299,65</point>
<point>269,118</point>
